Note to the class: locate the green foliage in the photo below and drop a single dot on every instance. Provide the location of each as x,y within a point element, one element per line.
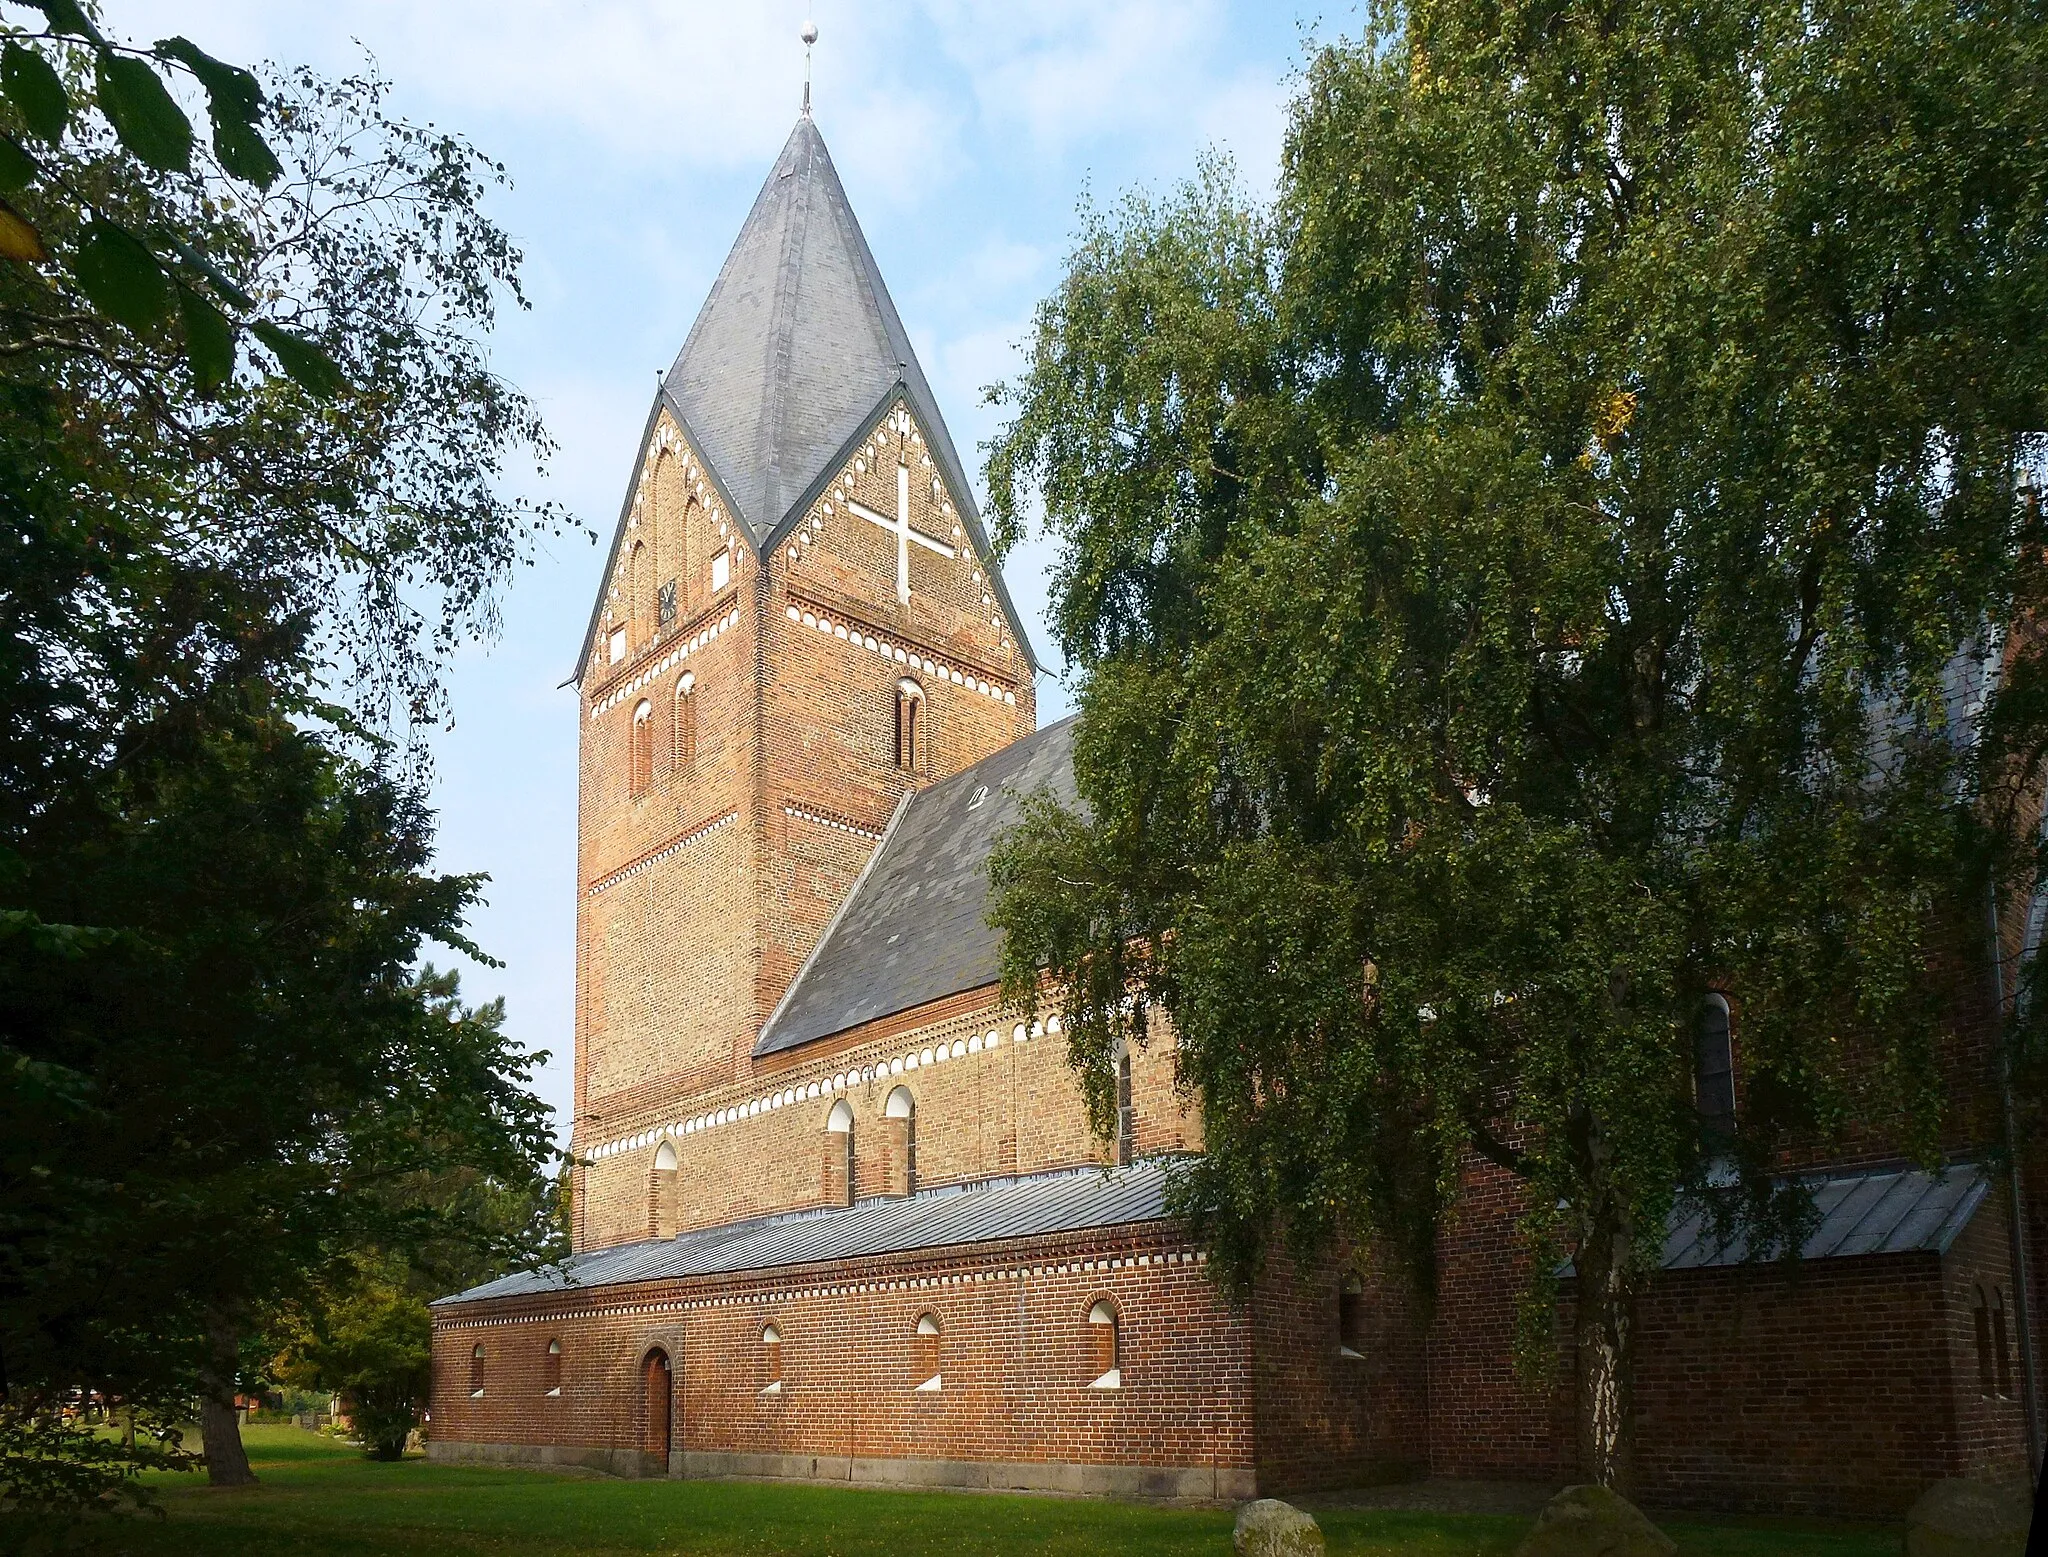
<point>224,1077</point>
<point>120,277</point>
<point>1535,572</point>
<point>129,91</point>
<point>60,1454</point>
<point>371,1342</point>
<point>32,86</point>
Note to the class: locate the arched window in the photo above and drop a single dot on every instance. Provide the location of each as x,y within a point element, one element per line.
<point>771,1359</point>
<point>642,758</point>
<point>1106,1334</point>
<point>910,726</point>
<point>1126,1114</point>
<point>838,1173</point>
<point>1350,1316</point>
<point>924,1353</point>
<point>476,1372</point>
<point>683,737</point>
<point>1714,1068</point>
<point>899,1140</point>
<point>1980,1311</point>
<point>661,1193</point>
<point>551,1368</point>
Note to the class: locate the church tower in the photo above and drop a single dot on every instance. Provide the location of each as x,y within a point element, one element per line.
<point>800,622</point>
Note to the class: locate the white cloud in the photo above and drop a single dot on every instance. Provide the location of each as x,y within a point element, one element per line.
<point>1066,72</point>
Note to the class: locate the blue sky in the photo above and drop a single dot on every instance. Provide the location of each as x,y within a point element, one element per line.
<point>636,135</point>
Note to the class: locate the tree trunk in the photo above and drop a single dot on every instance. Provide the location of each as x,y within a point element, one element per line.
<point>1604,1341</point>
<point>220,1428</point>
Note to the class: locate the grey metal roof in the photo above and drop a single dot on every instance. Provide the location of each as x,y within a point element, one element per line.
<point>915,927</point>
<point>796,355</point>
<point>985,1212</point>
<point>1886,1211</point>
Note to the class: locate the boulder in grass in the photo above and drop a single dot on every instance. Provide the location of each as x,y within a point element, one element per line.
<point>1591,1521</point>
<point>1968,1519</point>
<point>1271,1528</point>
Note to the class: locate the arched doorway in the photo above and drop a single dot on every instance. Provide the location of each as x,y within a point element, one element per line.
<point>657,1387</point>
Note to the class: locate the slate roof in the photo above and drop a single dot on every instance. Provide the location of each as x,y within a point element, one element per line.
<point>914,928</point>
<point>985,1212</point>
<point>796,355</point>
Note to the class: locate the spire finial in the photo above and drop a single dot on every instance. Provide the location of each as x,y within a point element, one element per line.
<point>810,36</point>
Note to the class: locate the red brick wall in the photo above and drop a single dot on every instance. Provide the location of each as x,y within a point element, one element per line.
<point>1485,1419</point>
<point>1843,1387</point>
<point>1016,1355</point>
<point>1324,1419</point>
<point>1826,1391</point>
<point>1990,1431</point>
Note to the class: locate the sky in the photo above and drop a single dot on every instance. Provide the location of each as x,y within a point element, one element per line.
<point>636,135</point>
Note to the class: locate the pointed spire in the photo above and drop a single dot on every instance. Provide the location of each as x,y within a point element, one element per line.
<point>797,344</point>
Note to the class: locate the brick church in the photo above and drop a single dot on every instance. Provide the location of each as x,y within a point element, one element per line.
<point>838,1217</point>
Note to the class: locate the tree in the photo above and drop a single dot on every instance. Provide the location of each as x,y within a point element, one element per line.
<point>361,1328</point>
<point>1553,561</point>
<point>373,1345</point>
<point>263,1087</point>
<point>253,451</point>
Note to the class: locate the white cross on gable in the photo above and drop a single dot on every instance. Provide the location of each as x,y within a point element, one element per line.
<point>900,527</point>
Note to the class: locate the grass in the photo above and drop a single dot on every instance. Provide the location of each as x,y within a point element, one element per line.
<point>321,1497</point>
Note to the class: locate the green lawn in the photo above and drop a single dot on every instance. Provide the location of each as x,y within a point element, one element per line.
<point>319,1497</point>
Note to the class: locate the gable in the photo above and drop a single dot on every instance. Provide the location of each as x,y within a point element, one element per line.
<point>852,541</point>
<point>675,523</point>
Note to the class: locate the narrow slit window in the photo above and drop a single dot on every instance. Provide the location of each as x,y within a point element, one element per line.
<point>839,1171</point>
<point>924,1355</point>
<point>1106,1338</point>
<point>642,758</point>
<point>476,1372</point>
<point>910,726</point>
<point>1351,1316</point>
<point>551,1368</point>
<point>771,1359</point>
<point>683,738</point>
<point>1714,1069</point>
<point>899,1123</point>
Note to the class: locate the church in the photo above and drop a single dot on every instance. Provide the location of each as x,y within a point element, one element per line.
<point>838,1217</point>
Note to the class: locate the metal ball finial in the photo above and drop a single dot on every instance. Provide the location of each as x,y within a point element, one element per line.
<point>809,33</point>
